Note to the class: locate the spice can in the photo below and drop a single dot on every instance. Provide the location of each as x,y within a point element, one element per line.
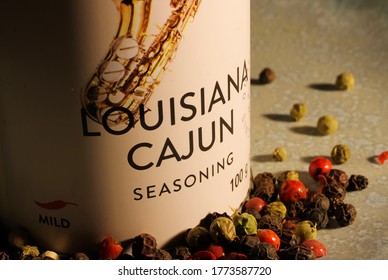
<point>121,117</point>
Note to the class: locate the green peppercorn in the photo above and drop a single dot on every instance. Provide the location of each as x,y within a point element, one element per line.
<point>298,111</point>
<point>327,125</point>
<point>279,154</point>
<point>287,175</point>
<point>222,229</point>
<point>306,230</point>
<point>198,238</point>
<point>245,224</point>
<point>345,81</point>
<point>277,208</point>
<point>340,153</point>
<point>49,255</point>
<point>29,252</point>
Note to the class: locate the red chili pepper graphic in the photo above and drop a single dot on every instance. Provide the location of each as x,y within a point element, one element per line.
<point>54,205</point>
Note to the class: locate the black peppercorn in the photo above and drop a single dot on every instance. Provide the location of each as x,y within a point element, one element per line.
<point>179,252</point>
<point>288,238</point>
<point>297,252</point>
<point>318,216</point>
<point>247,244</point>
<point>144,247</point>
<point>79,256</point>
<point>4,256</point>
<point>339,176</point>
<point>266,76</point>
<point>272,222</point>
<point>295,209</point>
<point>318,200</point>
<point>357,183</point>
<point>345,214</point>
<point>264,251</point>
<point>264,187</point>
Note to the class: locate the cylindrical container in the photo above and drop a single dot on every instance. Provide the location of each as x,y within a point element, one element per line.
<point>122,117</point>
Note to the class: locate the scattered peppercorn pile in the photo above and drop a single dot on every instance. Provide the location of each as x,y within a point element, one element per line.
<point>279,220</point>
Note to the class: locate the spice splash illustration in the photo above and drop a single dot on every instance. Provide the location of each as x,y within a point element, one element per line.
<point>126,78</point>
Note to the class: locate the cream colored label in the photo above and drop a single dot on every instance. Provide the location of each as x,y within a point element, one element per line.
<point>131,117</point>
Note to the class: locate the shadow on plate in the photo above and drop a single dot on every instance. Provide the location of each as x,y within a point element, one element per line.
<point>324,86</point>
<point>279,117</point>
<point>262,158</point>
<point>373,159</point>
<point>306,130</point>
<point>308,159</point>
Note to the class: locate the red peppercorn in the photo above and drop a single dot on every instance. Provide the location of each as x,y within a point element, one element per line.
<point>317,247</point>
<point>203,255</point>
<point>382,157</point>
<point>110,249</point>
<point>217,250</point>
<point>319,166</point>
<point>234,256</point>
<point>269,236</point>
<point>255,203</point>
<point>292,190</point>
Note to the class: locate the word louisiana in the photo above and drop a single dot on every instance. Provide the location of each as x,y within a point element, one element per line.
<point>182,109</point>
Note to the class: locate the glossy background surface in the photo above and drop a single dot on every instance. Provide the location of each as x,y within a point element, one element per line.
<point>307,44</point>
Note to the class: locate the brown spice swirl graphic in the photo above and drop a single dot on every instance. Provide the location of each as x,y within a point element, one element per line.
<point>54,205</point>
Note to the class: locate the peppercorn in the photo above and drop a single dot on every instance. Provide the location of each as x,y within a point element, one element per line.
<point>264,187</point>
<point>223,230</point>
<point>295,208</point>
<point>233,256</point>
<point>345,81</point>
<point>339,176</point>
<point>335,192</point>
<point>207,221</point>
<point>306,230</point>
<point>109,249</point>
<point>264,251</point>
<point>327,125</point>
<point>202,255</point>
<point>297,252</point>
<point>382,157</point>
<point>49,255</point>
<point>318,216</point>
<point>179,252</point>
<point>272,222</point>
<point>79,256</point>
<point>279,154</point>
<point>340,153</point>
<point>357,183</point>
<point>287,175</point>
<point>245,224</point>
<point>277,208</point>
<point>254,213</point>
<point>198,238</point>
<point>288,238</point>
<point>247,243</point>
<point>28,252</point>
<point>318,201</point>
<point>298,111</point>
<point>4,256</point>
<point>266,76</point>
<point>162,255</point>
<point>345,214</point>
<point>144,247</point>
<point>317,247</point>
